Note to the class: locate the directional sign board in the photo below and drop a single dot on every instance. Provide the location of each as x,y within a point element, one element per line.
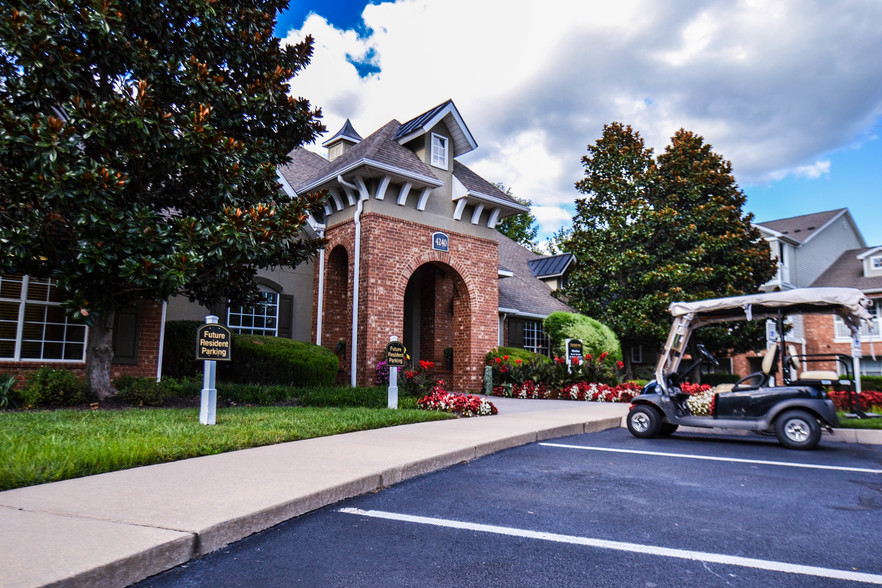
<point>213,343</point>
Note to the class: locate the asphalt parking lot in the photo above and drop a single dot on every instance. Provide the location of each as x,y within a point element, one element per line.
<point>602,509</point>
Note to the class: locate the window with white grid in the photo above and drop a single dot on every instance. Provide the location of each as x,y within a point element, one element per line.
<point>439,151</point>
<point>260,319</point>
<point>535,338</point>
<point>33,324</point>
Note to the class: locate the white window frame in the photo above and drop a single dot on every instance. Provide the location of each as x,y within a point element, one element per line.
<point>25,317</point>
<point>636,354</point>
<point>261,312</point>
<point>876,262</point>
<point>439,150</point>
<point>535,339</point>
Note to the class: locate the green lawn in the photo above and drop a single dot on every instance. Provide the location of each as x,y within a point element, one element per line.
<point>847,423</point>
<point>46,446</point>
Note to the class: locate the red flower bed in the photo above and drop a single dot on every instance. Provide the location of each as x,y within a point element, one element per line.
<point>869,399</point>
<point>579,391</point>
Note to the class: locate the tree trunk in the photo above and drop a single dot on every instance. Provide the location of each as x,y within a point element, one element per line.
<point>99,354</point>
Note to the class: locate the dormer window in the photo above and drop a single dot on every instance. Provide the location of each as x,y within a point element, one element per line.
<point>439,151</point>
<point>876,262</point>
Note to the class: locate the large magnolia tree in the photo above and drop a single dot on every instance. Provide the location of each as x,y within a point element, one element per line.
<point>139,141</point>
<point>653,230</point>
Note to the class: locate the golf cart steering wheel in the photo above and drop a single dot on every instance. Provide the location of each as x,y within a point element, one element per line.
<point>702,350</point>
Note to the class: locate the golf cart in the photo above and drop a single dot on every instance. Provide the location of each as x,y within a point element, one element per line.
<point>794,411</point>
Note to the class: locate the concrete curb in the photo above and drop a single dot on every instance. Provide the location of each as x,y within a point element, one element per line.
<point>119,528</point>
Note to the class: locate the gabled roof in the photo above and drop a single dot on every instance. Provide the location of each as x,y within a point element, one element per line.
<point>348,132</point>
<point>551,266</point>
<point>303,165</point>
<point>804,227</point>
<point>522,294</point>
<point>848,272</point>
<point>479,188</point>
<point>463,142</point>
<point>378,151</point>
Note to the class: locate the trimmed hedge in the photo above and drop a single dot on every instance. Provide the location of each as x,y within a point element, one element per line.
<point>514,353</point>
<point>871,383</point>
<point>259,359</point>
<point>596,337</point>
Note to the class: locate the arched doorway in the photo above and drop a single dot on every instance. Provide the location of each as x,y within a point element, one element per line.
<point>337,314</point>
<point>436,317</point>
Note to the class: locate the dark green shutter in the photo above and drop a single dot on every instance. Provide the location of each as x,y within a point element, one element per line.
<point>515,333</point>
<point>126,329</point>
<point>286,315</point>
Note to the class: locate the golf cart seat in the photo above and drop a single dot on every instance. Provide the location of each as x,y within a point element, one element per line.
<point>761,379</point>
<point>809,376</point>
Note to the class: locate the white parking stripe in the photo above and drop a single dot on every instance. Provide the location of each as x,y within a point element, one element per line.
<point>731,459</point>
<point>746,562</point>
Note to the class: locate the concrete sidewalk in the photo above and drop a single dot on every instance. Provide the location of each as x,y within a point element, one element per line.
<point>118,528</point>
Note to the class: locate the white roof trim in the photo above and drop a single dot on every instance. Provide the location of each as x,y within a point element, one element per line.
<point>827,224</point>
<point>869,252</point>
<point>378,165</point>
<point>439,116</point>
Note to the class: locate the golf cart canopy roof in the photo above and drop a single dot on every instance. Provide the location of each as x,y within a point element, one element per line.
<point>849,303</point>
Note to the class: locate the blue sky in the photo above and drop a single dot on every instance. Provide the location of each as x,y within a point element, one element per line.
<point>789,91</point>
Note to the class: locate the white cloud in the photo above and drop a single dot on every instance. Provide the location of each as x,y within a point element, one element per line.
<point>771,84</point>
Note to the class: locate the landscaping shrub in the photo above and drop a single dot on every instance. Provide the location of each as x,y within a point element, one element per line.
<point>52,387</point>
<point>140,391</point>
<point>596,337</point>
<point>233,393</point>
<point>9,398</point>
<point>373,397</point>
<point>259,359</point>
<point>511,354</point>
<point>464,405</point>
<point>871,382</point>
<point>179,349</point>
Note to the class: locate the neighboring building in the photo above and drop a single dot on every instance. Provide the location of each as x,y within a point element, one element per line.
<point>861,269</point>
<point>808,248</point>
<point>526,282</point>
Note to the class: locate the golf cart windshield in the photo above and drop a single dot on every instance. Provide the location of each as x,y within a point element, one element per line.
<point>849,303</point>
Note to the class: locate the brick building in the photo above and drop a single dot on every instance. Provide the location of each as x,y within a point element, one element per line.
<point>412,251</point>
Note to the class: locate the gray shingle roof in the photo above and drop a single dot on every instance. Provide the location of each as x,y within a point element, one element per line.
<point>378,147</point>
<point>303,165</point>
<point>522,291</point>
<point>801,228</point>
<point>848,272</point>
<point>550,266</point>
<point>474,182</point>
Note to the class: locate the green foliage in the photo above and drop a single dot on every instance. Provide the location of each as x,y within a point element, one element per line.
<point>596,337</point>
<point>139,143</point>
<point>179,349</point>
<point>373,397</point>
<point>140,391</point>
<point>513,353</point>
<point>7,392</point>
<point>871,383</point>
<point>52,387</point>
<point>259,359</point>
<point>265,394</point>
<point>650,231</point>
<point>520,228</point>
<point>42,446</point>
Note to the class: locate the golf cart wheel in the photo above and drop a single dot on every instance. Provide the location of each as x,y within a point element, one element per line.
<point>668,429</point>
<point>644,421</point>
<point>798,429</point>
